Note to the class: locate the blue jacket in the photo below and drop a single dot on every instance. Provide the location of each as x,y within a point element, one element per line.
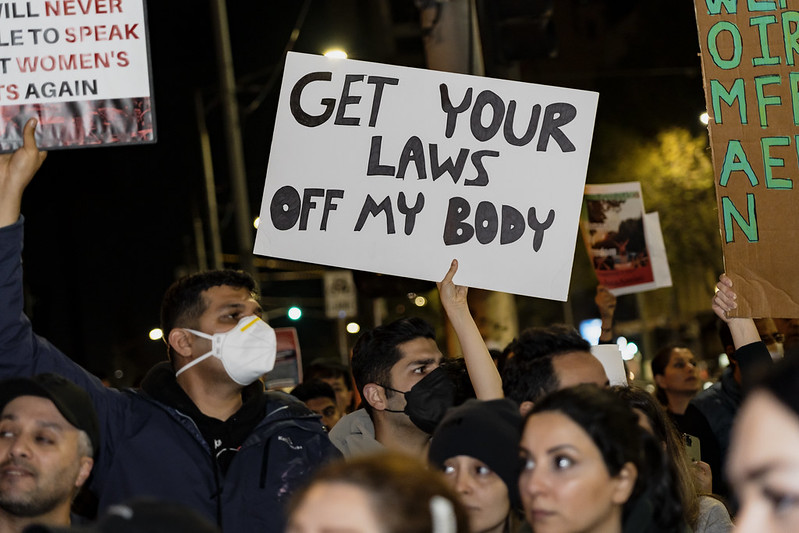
<point>149,448</point>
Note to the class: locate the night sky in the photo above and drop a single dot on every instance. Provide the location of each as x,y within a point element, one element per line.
<point>108,229</point>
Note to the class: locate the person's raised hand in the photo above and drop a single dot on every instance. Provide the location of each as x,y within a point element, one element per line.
<point>703,476</point>
<point>452,296</point>
<point>605,302</point>
<point>724,299</point>
<point>16,172</point>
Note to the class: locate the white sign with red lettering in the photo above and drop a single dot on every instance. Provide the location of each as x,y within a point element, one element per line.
<point>71,50</point>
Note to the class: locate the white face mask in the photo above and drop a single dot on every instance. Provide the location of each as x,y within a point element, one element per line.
<point>247,351</point>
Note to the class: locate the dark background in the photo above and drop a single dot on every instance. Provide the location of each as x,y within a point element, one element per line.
<point>108,229</point>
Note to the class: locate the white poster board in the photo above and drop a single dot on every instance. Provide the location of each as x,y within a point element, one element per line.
<point>610,357</point>
<point>398,171</point>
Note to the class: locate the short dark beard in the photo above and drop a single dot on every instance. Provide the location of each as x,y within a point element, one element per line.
<point>30,508</point>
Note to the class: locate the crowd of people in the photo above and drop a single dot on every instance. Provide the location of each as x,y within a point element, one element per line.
<point>402,440</point>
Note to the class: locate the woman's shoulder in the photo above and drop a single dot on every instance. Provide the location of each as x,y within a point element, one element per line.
<point>713,516</point>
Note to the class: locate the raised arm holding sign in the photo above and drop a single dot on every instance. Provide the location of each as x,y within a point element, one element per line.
<point>482,371</point>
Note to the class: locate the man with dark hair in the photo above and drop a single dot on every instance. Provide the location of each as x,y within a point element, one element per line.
<point>320,398</point>
<point>201,431</point>
<point>546,359</point>
<point>338,376</point>
<point>405,392</point>
<point>49,435</point>
<point>386,361</point>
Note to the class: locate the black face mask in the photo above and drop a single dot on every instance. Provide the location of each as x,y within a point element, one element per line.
<point>428,400</point>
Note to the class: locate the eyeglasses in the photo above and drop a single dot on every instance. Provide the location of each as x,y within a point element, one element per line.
<point>771,339</point>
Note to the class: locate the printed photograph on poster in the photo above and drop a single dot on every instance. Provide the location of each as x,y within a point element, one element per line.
<point>82,69</point>
<point>612,224</point>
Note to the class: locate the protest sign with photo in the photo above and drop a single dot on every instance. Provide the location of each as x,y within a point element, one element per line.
<point>624,244</point>
<point>399,170</point>
<point>287,372</point>
<point>749,52</point>
<point>81,67</point>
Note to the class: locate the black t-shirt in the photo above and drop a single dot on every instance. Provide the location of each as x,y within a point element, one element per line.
<point>223,437</point>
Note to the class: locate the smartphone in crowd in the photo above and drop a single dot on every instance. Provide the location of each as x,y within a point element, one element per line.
<point>692,447</point>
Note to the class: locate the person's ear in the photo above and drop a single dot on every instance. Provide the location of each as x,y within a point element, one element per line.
<point>525,407</point>
<point>180,340</point>
<point>623,483</point>
<point>375,395</point>
<point>659,380</point>
<point>86,464</point>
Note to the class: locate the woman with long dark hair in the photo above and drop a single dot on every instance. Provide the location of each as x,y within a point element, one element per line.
<point>703,512</point>
<point>589,467</point>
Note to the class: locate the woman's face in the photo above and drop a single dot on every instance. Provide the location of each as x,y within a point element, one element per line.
<point>482,492</point>
<point>681,374</point>
<point>764,466</point>
<point>565,485</point>
<point>330,507</point>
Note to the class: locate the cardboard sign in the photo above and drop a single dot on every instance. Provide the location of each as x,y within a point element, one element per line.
<point>624,244</point>
<point>398,171</point>
<point>81,67</point>
<point>749,54</point>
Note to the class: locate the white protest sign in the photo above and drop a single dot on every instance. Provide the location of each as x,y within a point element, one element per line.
<point>80,66</point>
<point>610,357</point>
<point>657,249</point>
<point>398,171</point>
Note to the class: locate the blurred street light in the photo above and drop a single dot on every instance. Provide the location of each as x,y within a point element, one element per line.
<point>335,53</point>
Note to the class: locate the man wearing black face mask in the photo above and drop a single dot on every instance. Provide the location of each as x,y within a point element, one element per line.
<point>405,392</point>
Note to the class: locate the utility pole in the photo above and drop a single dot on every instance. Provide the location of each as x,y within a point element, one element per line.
<point>452,44</point>
<point>230,111</point>
<point>210,186</point>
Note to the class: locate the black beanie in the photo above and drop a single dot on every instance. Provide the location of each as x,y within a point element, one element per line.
<point>486,430</point>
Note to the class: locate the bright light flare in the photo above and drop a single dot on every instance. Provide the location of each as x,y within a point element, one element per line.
<point>156,334</point>
<point>335,53</point>
<point>628,349</point>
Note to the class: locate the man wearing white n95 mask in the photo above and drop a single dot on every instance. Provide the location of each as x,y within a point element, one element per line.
<point>210,438</point>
